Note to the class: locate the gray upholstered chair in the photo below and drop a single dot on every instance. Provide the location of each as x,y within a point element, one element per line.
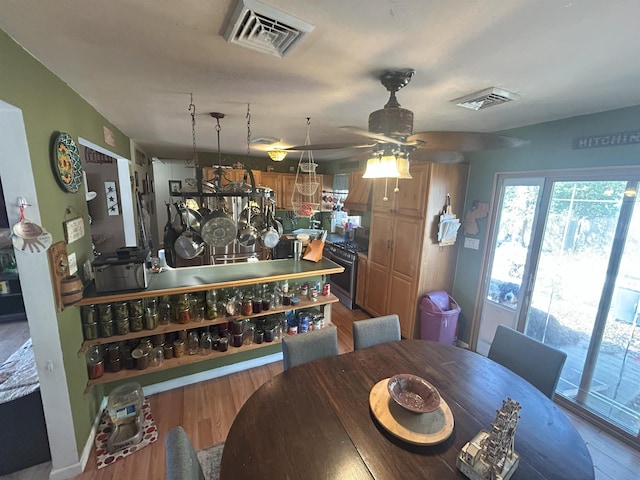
<point>373,331</point>
<point>181,459</point>
<point>305,347</point>
<point>537,363</point>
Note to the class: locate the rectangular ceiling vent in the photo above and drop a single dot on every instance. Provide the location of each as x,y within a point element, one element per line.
<point>264,29</point>
<point>485,98</point>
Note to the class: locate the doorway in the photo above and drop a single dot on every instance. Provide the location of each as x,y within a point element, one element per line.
<point>564,268</point>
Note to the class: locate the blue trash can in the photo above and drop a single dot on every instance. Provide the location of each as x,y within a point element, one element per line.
<point>439,317</point>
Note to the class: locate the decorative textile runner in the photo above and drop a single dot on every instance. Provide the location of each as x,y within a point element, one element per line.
<point>210,458</point>
<point>103,457</point>
<point>18,374</point>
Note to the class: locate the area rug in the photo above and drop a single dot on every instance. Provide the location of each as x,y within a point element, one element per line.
<point>210,458</point>
<point>103,457</point>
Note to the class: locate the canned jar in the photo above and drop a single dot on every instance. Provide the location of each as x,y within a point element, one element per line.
<point>184,315</point>
<point>88,313</point>
<point>121,310</point>
<point>164,310</point>
<point>104,312</point>
<point>178,347</point>
<point>150,320</point>
<point>113,350</point>
<point>326,289</point>
<point>96,369</point>
<point>136,323</point>
<point>122,326</point>
<point>168,350</point>
<point>90,330</point>
<point>141,357</point>
<point>247,306</point>
<point>114,365</point>
<point>136,308</point>
<point>106,329</point>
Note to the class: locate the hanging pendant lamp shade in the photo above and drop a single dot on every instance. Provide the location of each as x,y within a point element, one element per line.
<point>277,154</point>
<point>402,164</point>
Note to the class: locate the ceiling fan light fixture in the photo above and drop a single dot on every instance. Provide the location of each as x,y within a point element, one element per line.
<point>277,154</point>
<point>402,164</point>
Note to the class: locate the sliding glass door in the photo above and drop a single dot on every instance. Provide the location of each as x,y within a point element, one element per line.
<point>580,288</point>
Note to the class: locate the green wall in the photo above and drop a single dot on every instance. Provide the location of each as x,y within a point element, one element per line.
<point>550,148</point>
<point>49,105</point>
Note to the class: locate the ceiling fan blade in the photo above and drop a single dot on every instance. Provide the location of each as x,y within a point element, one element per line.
<point>465,141</point>
<point>381,138</point>
<point>328,146</point>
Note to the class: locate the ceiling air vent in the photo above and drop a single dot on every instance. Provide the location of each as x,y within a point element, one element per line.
<point>264,29</point>
<point>485,98</point>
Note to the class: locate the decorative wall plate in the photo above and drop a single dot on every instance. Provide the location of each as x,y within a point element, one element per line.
<point>66,162</point>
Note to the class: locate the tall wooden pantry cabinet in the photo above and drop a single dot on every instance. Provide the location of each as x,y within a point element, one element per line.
<point>405,261</point>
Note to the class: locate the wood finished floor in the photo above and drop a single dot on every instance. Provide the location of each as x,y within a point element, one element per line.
<point>206,411</point>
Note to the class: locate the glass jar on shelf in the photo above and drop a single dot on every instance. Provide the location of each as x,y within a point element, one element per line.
<point>206,343</point>
<point>95,362</point>
<point>193,343</point>
<point>164,310</point>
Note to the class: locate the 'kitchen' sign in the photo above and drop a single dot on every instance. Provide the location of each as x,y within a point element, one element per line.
<point>607,140</point>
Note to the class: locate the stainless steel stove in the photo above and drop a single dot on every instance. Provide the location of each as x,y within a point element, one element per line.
<point>345,254</point>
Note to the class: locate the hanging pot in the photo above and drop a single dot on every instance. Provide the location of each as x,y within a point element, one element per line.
<point>189,245</point>
<point>218,229</point>
<point>186,216</point>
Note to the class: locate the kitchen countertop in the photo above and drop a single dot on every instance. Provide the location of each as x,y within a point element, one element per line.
<point>192,279</point>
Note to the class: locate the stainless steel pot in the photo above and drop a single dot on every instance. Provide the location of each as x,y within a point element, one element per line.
<point>189,245</point>
<point>186,216</point>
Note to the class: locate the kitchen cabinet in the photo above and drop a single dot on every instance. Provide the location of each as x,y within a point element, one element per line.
<point>201,279</point>
<point>408,200</point>
<point>273,180</point>
<point>404,259</point>
<point>288,186</point>
<point>359,193</point>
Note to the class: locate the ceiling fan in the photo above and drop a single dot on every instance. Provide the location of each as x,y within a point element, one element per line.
<point>392,128</point>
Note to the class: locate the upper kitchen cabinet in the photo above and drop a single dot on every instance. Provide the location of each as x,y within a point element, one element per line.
<point>273,180</point>
<point>410,197</point>
<point>359,193</point>
<point>405,261</point>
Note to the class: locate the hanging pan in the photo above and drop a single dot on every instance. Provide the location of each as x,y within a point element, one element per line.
<point>218,229</point>
<point>248,234</point>
<point>269,236</point>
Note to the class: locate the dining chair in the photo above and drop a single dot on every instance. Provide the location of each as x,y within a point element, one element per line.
<point>534,361</point>
<point>305,347</point>
<point>181,459</point>
<point>372,331</point>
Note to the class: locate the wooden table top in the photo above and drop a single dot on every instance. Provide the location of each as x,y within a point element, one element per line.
<point>314,421</point>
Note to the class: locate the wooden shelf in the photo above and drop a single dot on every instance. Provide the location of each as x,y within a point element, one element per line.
<point>186,359</point>
<point>176,327</point>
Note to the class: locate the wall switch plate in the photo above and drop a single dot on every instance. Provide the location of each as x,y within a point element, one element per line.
<point>473,243</point>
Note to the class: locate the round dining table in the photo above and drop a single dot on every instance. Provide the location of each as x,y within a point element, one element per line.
<point>314,421</point>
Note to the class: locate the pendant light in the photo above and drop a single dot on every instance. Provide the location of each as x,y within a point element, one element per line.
<point>277,154</point>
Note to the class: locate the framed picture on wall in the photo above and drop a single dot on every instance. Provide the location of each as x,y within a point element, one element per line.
<point>175,186</point>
